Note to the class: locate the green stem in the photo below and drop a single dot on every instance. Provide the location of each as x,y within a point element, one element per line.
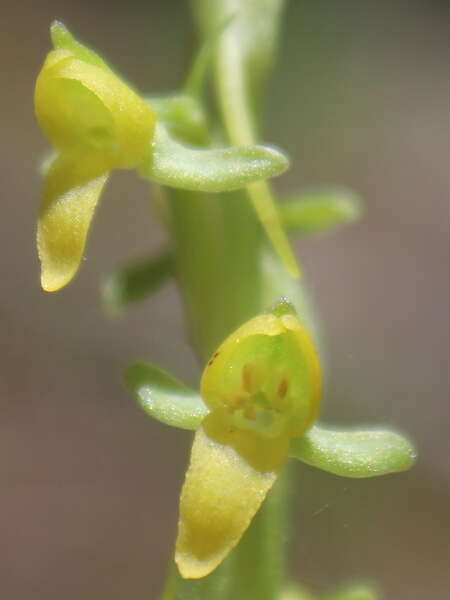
<point>259,559</point>
<point>227,274</point>
<point>217,248</point>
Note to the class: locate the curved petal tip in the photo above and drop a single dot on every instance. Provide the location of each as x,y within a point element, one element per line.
<point>222,492</point>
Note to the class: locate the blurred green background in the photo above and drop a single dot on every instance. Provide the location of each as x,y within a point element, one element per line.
<point>89,485</point>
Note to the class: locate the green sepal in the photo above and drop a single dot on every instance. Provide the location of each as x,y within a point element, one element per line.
<point>355,591</point>
<point>165,398</point>
<point>135,281</point>
<point>212,170</point>
<point>354,453</point>
<point>319,210</point>
<point>62,39</point>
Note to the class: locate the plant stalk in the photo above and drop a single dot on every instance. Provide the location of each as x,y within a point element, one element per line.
<point>227,273</point>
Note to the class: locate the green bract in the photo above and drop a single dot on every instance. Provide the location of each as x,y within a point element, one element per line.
<point>317,210</point>
<point>135,281</point>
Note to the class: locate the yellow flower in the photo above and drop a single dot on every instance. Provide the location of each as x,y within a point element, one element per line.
<point>260,395</point>
<point>262,387</point>
<point>96,123</point>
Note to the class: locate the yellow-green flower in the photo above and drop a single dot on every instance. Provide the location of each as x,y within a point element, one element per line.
<point>262,387</point>
<point>96,123</point>
<point>258,403</point>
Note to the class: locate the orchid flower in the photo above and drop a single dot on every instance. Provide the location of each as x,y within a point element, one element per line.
<point>258,404</point>
<point>96,123</point>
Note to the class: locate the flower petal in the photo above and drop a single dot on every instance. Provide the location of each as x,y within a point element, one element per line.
<point>354,453</point>
<point>208,169</point>
<point>165,398</point>
<point>72,189</point>
<point>229,476</point>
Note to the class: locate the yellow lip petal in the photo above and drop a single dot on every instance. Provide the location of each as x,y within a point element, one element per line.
<point>72,189</point>
<point>229,476</point>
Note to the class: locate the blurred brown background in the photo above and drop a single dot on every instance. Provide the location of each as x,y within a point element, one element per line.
<point>88,484</point>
